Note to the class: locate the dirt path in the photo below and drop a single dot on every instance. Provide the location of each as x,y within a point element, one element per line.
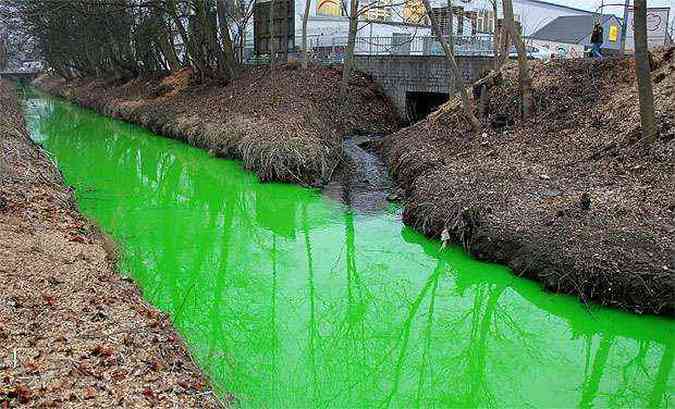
<point>73,333</point>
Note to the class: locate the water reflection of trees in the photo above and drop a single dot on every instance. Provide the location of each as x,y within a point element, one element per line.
<point>246,272</point>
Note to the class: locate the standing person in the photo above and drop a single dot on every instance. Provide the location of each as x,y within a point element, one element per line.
<point>597,38</point>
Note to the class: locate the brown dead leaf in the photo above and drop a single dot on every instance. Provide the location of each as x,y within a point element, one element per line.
<point>23,394</point>
<point>148,393</point>
<point>89,393</point>
<point>102,351</point>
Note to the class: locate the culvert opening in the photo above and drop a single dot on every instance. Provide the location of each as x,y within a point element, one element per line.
<point>421,104</point>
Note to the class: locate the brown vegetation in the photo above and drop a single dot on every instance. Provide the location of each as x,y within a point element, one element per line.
<point>572,198</point>
<point>285,126</point>
<point>73,333</point>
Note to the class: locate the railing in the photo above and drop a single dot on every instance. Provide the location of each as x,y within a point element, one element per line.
<point>403,45</point>
<point>331,49</point>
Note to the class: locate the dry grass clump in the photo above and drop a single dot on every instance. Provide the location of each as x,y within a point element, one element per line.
<point>572,198</point>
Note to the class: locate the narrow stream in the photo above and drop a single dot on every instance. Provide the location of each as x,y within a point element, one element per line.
<point>288,299</point>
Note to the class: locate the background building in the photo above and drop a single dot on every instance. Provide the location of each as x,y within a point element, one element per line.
<point>570,36</point>
<point>401,26</point>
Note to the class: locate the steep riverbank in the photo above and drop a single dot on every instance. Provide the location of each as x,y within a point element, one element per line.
<point>286,125</point>
<point>571,198</point>
<point>72,331</point>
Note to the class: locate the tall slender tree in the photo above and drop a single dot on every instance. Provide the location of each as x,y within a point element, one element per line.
<point>523,66</point>
<point>624,27</point>
<point>270,23</point>
<point>305,51</point>
<point>457,85</point>
<point>643,71</point>
<point>451,26</point>
<point>351,44</point>
<point>4,57</point>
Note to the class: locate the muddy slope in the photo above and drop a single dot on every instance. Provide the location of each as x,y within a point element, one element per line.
<point>572,198</point>
<point>73,333</point>
<point>286,125</point>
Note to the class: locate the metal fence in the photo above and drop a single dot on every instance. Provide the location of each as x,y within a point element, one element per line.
<point>415,45</point>
<point>331,49</point>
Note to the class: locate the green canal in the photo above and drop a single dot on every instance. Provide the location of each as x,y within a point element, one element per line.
<point>288,299</point>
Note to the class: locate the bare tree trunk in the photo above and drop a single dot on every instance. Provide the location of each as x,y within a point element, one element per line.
<point>624,27</point>
<point>4,55</point>
<point>496,36</point>
<point>305,52</point>
<point>226,40</point>
<point>271,31</point>
<point>451,28</point>
<point>168,51</point>
<point>484,101</point>
<point>458,85</point>
<point>647,114</point>
<point>242,43</point>
<point>523,66</point>
<point>190,52</point>
<point>351,42</point>
<point>504,45</point>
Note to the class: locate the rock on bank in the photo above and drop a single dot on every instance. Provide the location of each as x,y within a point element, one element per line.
<point>72,331</point>
<point>285,125</point>
<point>572,198</point>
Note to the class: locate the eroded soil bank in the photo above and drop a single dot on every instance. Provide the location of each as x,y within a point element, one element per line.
<point>72,331</point>
<point>572,198</point>
<point>286,125</point>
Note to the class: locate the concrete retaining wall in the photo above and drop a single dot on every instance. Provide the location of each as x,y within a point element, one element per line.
<point>400,74</point>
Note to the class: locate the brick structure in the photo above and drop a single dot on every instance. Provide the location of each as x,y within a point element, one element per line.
<point>400,75</point>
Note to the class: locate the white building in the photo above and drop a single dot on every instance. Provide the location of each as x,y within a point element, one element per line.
<point>328,17</point>
<point>400,24</point>
<point>571,35</point>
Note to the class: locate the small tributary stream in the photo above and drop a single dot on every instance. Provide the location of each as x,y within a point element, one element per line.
<point>290,299</point>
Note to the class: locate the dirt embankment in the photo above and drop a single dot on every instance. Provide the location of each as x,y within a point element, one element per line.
<point>286,125</point>
<point>572,198</point>
<point>73,333</point>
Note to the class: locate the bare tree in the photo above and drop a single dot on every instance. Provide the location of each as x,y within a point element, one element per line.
<point>305,51</point>
<point>624,27</point>
<point>355,11</point>
<point>643,69</point>
<point>523,66</point>
<point>238,13</point>
<point>458,84</point>
<point>500,38</point>
<point>351,43</point>
<point>3,54</point>
<point>126,38</point>
<point>451,26</point>
<point>271,31</point>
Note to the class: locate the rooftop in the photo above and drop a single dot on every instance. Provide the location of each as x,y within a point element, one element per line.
<point>569,29</point>
<point>548,3</point>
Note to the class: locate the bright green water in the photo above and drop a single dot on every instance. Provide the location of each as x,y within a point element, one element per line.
<point>289,300</point>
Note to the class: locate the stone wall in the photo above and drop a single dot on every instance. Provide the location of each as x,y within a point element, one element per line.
<point>400,74</point>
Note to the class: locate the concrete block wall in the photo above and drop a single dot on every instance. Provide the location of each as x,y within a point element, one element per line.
<point>399,74</point>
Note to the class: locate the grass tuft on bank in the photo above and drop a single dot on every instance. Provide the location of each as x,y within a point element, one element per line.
<point>572,198</point>
<point>286,125</point>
